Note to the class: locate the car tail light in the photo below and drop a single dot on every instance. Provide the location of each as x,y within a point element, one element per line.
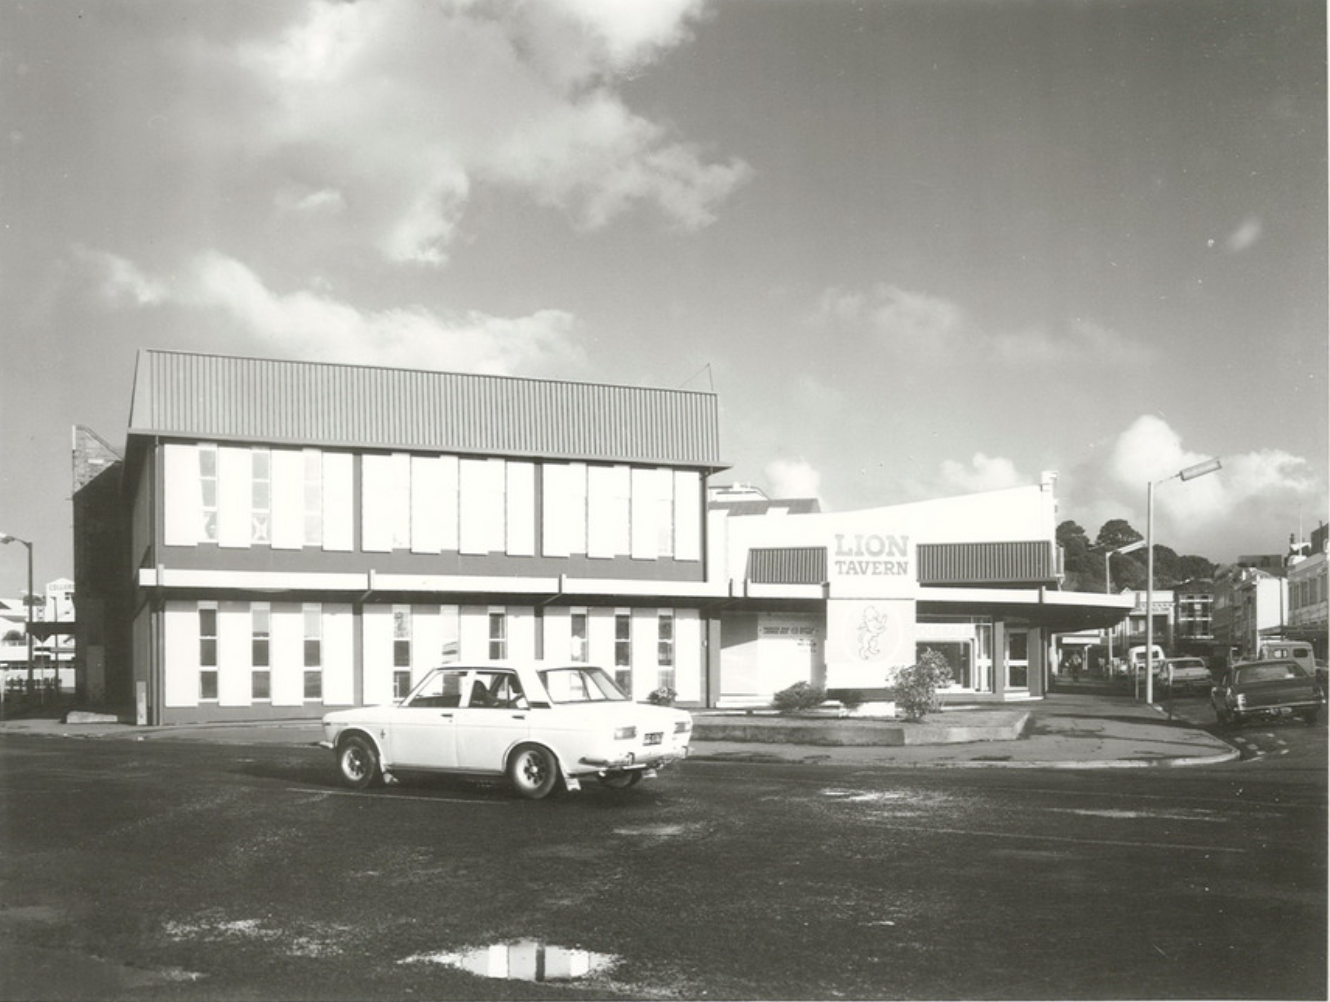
<point>625,733</point>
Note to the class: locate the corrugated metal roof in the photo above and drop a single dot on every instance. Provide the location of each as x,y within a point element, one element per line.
<point>1025,562</point>
<point>314,403</point>
<point>787,565</point>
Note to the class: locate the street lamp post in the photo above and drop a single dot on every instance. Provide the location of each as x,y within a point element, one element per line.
<point>1190,473</point>
<point>7,538</point>
<point>1108,589</point>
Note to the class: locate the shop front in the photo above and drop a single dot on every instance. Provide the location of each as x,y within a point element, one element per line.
<point>865,593</point>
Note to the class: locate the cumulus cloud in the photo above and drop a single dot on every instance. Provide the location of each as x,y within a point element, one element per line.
<point>402,109</point>
<point>921,324</point>
<point>983,473</point>
<point>119,281</point>
<point>1247,506</point>
<point>915,321</point>
<point>308,324</point>
<point>793,478</point>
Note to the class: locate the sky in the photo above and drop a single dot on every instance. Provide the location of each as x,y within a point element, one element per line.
<point>917,248</point>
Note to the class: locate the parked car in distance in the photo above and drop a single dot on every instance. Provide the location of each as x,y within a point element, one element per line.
<point>540,724</point>
<point>1185,675</point>
<point>1266,689</point>
<point>1135,665</point>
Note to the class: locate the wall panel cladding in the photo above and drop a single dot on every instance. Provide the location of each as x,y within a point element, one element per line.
<point>1024,562</point>
<point>214,396</point>
<point>788,565</point>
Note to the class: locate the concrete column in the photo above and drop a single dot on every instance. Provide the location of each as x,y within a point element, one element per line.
<point>1038,650</point>
<point>1000,658</point>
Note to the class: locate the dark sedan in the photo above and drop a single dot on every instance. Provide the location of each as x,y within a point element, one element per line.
<point>1268,690</point>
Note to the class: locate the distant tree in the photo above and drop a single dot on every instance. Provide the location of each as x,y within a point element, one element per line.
<point>1166,567</point>
<point>1192,567</point>
<point>1080,563</point>
<point>1116,532</point>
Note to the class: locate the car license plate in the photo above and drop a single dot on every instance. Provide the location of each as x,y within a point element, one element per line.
<point>654,738</point>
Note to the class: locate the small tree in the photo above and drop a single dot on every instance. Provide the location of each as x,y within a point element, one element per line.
<point>915,687</point>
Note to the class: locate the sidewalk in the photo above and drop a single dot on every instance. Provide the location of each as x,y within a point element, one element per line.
<point>1065,730</point>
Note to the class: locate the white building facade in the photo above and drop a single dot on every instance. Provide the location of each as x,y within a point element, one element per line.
<point>307,536</point>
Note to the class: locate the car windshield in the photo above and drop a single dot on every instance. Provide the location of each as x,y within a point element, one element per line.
<point>1269,673</point>
<point>580,685</point>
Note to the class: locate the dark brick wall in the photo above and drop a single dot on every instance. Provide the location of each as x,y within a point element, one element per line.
<point>102,581</point>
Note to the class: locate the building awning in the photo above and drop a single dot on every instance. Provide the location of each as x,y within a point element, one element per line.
<point>54,628</point>
<point>1055,611</point>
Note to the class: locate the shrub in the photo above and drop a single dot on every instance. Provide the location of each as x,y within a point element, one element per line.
<point>800,696</point>
<point>915,688</point>
<point>851,699</point>
<point>664,696</point>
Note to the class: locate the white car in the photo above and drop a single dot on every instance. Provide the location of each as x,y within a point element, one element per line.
<point>537,723</point>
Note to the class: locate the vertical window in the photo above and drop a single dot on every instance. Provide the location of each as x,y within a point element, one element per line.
<point>579,651</point>
<point>665,517</point>
<point>313,498</point>
<point>623,652</point>
<point>401,651</point>
<point>313,617</point>
<point>665,649</point>
<point>260,616</point>
<point>208,489</point>
<point>207,651</point>
<point>498,636</point>
<point>260,496</point>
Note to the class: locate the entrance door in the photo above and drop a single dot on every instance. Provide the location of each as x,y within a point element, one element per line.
<point>1018,659</point>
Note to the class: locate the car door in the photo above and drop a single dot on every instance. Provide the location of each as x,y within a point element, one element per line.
<point>494,717</point>
<point>423,733</point>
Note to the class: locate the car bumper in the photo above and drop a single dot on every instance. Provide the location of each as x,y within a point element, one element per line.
<point>1275,712</point>
<point>629,761</point>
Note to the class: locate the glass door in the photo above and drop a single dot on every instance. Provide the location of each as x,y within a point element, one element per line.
<point>1018,659</point>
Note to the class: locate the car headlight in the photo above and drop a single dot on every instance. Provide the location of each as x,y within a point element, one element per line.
<point>625,733</point>
<point>1242,700</point>
<point>682,726</point>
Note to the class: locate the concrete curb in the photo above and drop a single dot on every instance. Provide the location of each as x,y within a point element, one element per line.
<point>851,732</point>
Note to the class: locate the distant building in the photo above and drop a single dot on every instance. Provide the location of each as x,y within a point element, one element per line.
<point>1193,617</point>
<point>1307,586</point>
<point>1249,603</point>
<point>53,645</point>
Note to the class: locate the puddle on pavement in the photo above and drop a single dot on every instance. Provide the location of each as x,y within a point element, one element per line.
<point>1175,814</point>
<point>522,960</point>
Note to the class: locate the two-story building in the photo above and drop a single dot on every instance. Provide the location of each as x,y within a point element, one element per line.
<point>298,536</point>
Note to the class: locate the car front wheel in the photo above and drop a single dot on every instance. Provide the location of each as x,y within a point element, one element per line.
<point>358,763</point>
<point>1311,715</point>
<point>533,771</point>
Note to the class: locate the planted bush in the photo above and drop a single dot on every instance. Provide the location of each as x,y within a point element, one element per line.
<point>851,699</point>
<point>915,687</point>
<point>664,696</point>
<point>800,696</point>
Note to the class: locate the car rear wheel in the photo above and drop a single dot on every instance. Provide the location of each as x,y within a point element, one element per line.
<point>357,762</point>
<point>621,780</point>
<point>533,771</point>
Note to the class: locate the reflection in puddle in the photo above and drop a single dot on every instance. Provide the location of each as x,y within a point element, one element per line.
<point>522,960</point>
